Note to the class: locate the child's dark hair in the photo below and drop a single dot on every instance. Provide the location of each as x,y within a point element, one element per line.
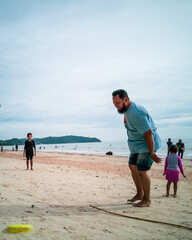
<point>173,148</point>
<point>29,134</point>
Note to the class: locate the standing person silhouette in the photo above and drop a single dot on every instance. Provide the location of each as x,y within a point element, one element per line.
<point>181,147</point>
<point>143,141</point>
<point>169,143</point>
<point>28,150</point>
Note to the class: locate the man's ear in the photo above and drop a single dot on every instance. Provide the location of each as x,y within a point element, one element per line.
<point>126,100</point>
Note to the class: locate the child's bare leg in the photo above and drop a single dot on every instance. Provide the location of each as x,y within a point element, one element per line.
<point>27,163</point>
<point>168,188</point>
<point>175,189</point>
<point>31,164</point>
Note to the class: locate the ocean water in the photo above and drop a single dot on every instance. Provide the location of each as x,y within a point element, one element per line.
<point>100,148</point>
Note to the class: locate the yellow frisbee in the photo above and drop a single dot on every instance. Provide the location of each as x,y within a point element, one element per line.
<point>19,228</point>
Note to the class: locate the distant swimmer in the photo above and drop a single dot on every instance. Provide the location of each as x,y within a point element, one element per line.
<point>16,147</point>
<point>29,150</point>
<point>143,141</point>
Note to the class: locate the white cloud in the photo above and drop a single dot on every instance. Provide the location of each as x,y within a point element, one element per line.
<point>60,61</point>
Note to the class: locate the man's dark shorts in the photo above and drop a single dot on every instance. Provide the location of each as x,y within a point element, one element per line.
<point>142,160</point>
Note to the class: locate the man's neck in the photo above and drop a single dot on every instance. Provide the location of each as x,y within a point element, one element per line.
<point>129,104</point>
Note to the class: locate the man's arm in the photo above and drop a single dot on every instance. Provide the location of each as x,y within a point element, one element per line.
<point>150,143</point>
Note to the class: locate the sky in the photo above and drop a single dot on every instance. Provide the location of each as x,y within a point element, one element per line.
<point>61,60</point>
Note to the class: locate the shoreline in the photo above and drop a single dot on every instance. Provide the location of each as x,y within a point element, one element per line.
<point>85,154</point>
<point>19,153</point>
<point>105,163</point>
<point>119,148</point>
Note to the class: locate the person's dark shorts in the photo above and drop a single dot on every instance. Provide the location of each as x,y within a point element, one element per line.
<point>29,157</point>
<point>142,160</point>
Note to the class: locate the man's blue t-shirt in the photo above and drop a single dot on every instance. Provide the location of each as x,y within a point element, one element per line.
<point>138,121</point>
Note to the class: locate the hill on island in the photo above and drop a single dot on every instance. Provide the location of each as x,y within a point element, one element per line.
<point>50,140</point>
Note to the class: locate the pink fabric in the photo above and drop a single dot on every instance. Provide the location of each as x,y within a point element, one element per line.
<point>173,175</point>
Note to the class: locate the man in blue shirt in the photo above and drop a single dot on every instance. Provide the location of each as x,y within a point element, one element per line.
<point>143,141</point>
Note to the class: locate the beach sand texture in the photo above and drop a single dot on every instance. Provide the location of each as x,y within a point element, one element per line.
<point>55,199</point>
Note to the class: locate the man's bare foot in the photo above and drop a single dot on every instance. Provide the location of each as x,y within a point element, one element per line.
<point>137,197</point>
<point>143,203</point>
<point>31,168</point>
<point>175,195</point>
<point>27,168</point>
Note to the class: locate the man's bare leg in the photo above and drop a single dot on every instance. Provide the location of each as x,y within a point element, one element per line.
<point>175,189</point>
<point>136,178</point>
<point>27,163</point>
<point>168,188</point>
<point>146,184</point>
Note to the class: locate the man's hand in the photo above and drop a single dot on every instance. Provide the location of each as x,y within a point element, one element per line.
<point>184,176</point>
<point>156,158</point>
<point>163,174</point>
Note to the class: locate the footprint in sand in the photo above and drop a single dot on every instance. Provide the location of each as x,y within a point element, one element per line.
<point>29,194</point>
<point>6,185</point>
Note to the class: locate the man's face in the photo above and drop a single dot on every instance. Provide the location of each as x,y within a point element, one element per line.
<point>119,104</point>
<point>29,137</point>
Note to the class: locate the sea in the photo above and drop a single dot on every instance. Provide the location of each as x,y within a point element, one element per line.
<point>100,148</point>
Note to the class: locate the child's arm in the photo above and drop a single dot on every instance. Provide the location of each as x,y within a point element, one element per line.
<point>24,151</point>
<point>34,148</point>
<point>165,168</point>
<point>180,166</point>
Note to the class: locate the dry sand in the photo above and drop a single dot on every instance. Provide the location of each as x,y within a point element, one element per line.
<point>62,186</point>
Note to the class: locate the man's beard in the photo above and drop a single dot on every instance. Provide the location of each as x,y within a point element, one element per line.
<point>123,109</point>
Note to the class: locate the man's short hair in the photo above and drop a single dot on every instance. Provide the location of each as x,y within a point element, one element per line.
<point>173,148</point>
<point>29,134</point>
<point>122,93</point>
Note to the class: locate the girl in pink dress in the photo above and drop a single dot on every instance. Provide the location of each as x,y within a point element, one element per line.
<point>172,162</point>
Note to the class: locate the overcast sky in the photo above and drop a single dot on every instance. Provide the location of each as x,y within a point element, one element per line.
<point>61,60</point>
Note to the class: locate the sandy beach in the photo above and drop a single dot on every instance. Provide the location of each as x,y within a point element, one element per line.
<point>55,199</point>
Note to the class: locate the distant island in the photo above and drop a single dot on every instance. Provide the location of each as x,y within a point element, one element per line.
<point>50,140</point>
